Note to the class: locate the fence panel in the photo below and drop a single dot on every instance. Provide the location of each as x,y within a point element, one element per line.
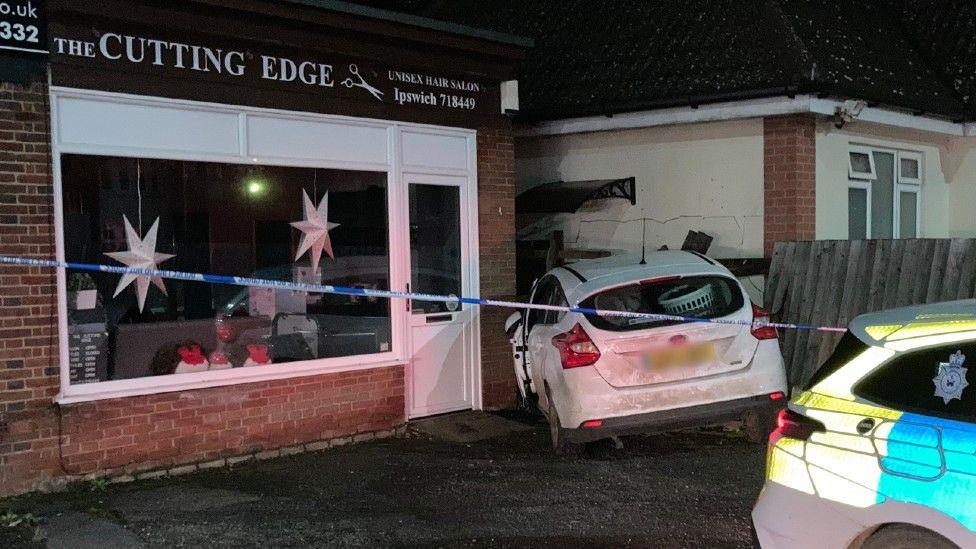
<point>829,282</point>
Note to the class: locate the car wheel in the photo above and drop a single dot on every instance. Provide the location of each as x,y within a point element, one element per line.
<point>758,425</point>
<point>906,536</point>
<point>559,443</point>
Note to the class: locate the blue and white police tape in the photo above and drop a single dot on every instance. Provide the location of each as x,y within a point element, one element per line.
<point>388,294</point>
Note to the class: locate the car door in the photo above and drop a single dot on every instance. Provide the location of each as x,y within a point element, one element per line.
<point>539,332</point>
<point>519,330</point>
<point>926,437</point>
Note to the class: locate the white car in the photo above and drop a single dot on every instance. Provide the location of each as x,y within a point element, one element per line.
<point>879,450</point>
<point>597,377</point>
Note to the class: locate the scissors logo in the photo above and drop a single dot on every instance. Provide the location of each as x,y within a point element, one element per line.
<point>360,82</point>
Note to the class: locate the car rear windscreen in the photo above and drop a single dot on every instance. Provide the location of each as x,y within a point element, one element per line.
<point>705,297</point>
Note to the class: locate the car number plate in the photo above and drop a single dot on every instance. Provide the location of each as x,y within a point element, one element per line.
<point>680,355</point>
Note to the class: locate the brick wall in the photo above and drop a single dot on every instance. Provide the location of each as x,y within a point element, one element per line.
<point>496,229</point>
<point>789,177</point>
<point>154,431</point>
<point>28,334</point>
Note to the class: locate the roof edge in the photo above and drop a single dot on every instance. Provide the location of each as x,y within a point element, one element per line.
<point>416,21</point>
<point>742,109</point>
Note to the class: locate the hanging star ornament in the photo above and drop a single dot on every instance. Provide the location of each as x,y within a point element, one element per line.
<point>951,379</point>
<point>141,255</point>
<point>315,230</point>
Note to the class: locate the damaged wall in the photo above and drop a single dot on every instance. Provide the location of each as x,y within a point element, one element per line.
<point>704,177</point>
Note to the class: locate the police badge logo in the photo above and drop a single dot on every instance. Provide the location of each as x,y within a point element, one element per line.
<point>951,379</point>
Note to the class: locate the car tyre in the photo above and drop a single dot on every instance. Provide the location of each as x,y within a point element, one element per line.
<point>560,445</point>
<point>906,536</point>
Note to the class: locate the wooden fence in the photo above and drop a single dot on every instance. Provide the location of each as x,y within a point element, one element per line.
<point>829,282</point>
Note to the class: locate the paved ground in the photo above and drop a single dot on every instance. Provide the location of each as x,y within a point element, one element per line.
<point>692,489</point>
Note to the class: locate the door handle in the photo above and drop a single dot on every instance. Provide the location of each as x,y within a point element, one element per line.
<point>865,425</point>
<point>439,318</point>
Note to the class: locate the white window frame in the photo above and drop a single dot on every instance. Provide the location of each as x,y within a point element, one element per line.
<point>851,173</point>
<point>907,155</point>
<point>865,181</point>
<point>399,353</point>
<point>865,186</point>
<point>917,191</point>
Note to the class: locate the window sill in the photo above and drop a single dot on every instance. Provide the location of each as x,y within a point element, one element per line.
<point>123,388</point>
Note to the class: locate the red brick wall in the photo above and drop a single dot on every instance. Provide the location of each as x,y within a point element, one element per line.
<point>496,229</point>
<point>28,334</point>
<point>161,430</point>
<point>789,176</point>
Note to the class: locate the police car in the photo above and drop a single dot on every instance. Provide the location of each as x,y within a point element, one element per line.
<point>879,450</point>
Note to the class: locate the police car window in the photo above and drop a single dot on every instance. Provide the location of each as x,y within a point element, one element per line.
<point>847,348</point>
<point>938,381</point>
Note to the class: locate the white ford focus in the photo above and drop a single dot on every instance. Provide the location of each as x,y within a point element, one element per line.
<point>596,377</point>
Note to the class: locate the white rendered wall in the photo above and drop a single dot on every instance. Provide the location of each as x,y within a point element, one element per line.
<point>704,177</point>
<point>962,191</point>
<point>833,146</point>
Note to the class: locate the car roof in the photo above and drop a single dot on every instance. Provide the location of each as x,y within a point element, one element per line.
<point>582,278</point>
<point>915,321</point>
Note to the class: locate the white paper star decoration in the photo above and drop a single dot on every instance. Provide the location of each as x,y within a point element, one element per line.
<point>315,230</point>
<point>141,255</point>
<point>951,379</point>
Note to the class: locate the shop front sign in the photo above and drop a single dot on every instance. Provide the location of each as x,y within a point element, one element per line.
<point>325,74</point>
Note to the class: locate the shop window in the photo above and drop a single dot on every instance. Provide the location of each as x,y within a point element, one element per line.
<point>930,381</point>
<point>883,195</point>
<point>226,219</point>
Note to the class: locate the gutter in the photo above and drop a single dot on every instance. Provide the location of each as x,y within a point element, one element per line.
<point>742,109</point>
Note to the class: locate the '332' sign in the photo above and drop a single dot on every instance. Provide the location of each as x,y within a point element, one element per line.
<point>23,25</point>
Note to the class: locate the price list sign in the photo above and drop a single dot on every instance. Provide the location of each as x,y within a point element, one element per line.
<point>87,359</point>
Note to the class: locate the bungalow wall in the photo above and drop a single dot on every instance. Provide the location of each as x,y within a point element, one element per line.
<point>704,177</point>
<point>939,193</point>
<point>962,194</point>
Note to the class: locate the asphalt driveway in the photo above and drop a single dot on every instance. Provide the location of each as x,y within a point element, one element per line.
<point>689,489</point>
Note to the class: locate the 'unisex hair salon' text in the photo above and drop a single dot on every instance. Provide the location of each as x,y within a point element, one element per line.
<point>362,79</point>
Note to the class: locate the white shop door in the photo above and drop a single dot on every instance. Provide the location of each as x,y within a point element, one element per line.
<point>440,370</point>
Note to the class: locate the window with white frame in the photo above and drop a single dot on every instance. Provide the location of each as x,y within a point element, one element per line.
<point>884,193</point>
<point>232,190</point>
<point>272,222</point>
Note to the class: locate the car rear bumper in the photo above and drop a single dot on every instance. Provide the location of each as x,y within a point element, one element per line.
<point>784,518</point>
<point>677,418</point>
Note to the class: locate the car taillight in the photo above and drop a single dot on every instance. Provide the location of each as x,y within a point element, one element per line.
<point>762,332</point>
<point>790,424</point>
<point>576,348</point>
